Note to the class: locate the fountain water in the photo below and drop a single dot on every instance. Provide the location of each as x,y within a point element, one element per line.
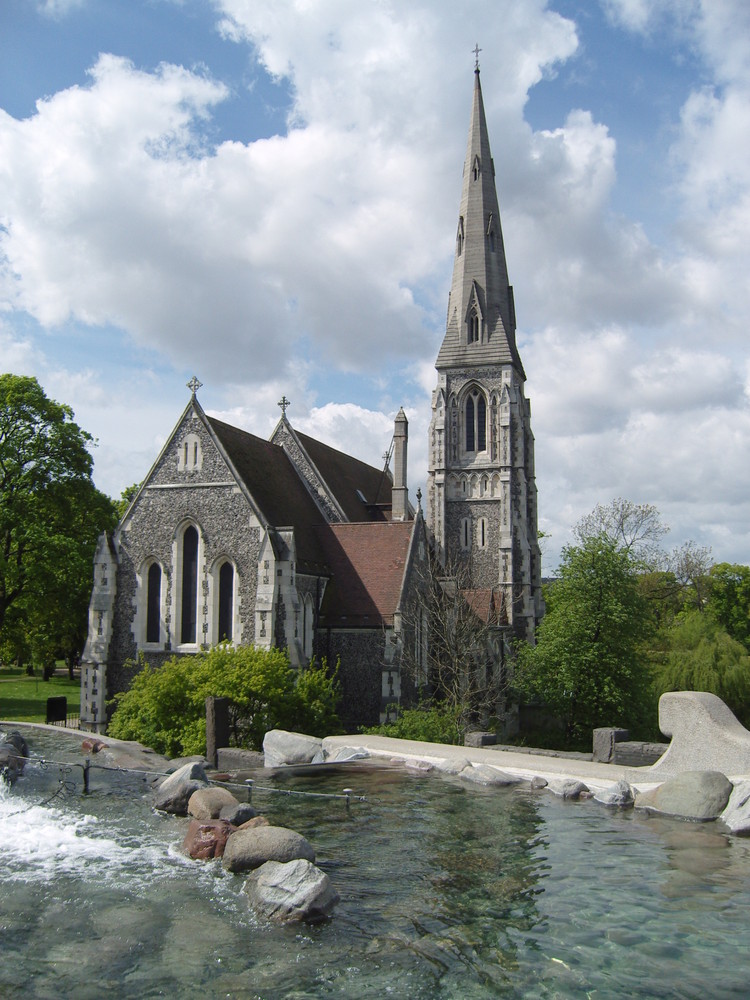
<point>446,891</point>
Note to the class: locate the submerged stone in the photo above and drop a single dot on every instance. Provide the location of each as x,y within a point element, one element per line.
<point>485,774</point>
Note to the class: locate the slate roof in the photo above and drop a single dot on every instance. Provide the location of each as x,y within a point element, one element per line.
<point>345,475</point>
<point>284,500</point>
<point>367,563</point>
<point>274,484</point>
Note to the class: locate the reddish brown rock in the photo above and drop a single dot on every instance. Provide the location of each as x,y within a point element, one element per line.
<point>92,745</point>
<point>252,823</point>
<point>206,839</point>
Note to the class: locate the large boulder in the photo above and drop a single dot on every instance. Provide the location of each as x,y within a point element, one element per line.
<point>291,892</point>
<point>206,839</point>
<point>568,788</point>
<point>696,795</point>
<point>281,747</point>
<point>251,847</point>
<point>207,803</point>
<point>173,794</point>
<point>737,813</point>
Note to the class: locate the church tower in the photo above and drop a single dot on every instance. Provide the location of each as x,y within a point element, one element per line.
<point>482,505</point>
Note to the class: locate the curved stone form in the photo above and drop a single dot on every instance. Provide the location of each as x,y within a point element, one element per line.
<point>706,736</point>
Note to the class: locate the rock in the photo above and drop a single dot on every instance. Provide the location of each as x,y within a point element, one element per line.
<point>569,788</point>
<point>344,754</point>
<point>452,765</point>
<point>13,753</point>
<point>251,824</point>
<point>418,766</point>
<point>281,747</point>
<point>93,745</point>
<point>238,814</point>
<point>291,892</point>
<point>173,794</point>
<point>206,839</point>
<point>736,815</point>
<point>485,774</point>
<point>477,739</point>
<point>619,796</point>
<point>538,782</point>
<point>696,795</point>
<point>207,803</point>
<point>249,848</point>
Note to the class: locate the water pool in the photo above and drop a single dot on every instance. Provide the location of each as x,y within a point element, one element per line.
<point>446,891</point>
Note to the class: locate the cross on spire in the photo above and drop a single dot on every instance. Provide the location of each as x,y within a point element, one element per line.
<point>476,50</point>
<point>194,385</point>
<point>284,403</point>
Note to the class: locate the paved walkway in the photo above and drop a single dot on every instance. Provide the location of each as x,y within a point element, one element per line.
<point>523,765</point>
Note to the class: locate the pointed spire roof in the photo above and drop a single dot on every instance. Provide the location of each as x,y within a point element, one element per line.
<point>481,324</point>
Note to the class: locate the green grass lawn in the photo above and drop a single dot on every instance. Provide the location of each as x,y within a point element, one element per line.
<point>24,699</point>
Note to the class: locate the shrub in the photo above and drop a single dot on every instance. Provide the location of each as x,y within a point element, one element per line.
<point>430,724</point>
<point>165,706</point>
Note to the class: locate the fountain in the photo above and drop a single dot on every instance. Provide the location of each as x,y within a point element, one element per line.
<point>446,891</point>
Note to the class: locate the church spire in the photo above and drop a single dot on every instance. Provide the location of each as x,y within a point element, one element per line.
<point>481,323</point>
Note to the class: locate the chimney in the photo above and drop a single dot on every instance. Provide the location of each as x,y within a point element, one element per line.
<point>399,491</point>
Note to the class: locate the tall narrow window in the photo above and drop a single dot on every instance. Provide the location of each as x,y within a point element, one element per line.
<point>189,585</point>
<point>481,424</point>
<point>470,424</point>
<point>226,601</point>
<point>475,413</point>
<point>153,603</point>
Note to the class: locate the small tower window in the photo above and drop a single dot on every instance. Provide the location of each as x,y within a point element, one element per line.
<point>190,455</point>
<point>482,532</point>
<point>460,237</point>
<point>476,168</point>
<point>473,328</point>
<point>465,533</point>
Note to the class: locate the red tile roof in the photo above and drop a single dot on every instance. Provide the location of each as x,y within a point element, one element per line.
<point>368,563</point>
<point>487,605</point>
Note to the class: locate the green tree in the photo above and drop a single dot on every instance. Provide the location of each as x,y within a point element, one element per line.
<point>165,707</point>
<point>729,599</point>
<point>587,665</point>
<point>702,656</point>
<point>126,498</point>
<point>51,515</point>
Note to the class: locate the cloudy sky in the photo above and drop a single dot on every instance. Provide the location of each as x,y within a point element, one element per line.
<point>265,193</point>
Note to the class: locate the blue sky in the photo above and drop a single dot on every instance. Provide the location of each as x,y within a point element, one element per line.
<point>265,194</point>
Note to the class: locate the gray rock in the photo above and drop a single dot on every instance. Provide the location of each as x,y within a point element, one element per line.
<point>452,765</point>
<point>418,766</point>
<point>619,796</point>
<point>13,753</point>
<point>281,747</point>
<point>736,816</point>
<point>291,892</point>
<point>238,814</point>
<point>207,803</point>
<point>484,774</point>
<point>538,782</point>
<point>696,795</point>
<point>173,794</point>
<point>249,848</point>
<point>569,788</point>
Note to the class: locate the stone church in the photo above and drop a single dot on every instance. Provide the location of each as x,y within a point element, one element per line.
<point>288,542</point>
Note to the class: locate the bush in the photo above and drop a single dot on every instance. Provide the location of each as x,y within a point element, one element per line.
<point>430,724</point>
<point>165,707</point>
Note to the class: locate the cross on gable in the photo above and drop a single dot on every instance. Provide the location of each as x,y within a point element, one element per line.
<point>194,385</point>
<point>476,50</point>
<point>284,403</point>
